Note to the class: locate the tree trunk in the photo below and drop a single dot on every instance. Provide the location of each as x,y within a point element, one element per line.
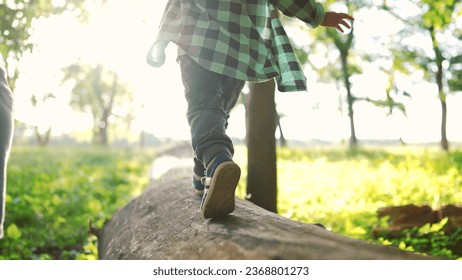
<point>42,139</point>
<point>103,128</point>
<point>282,139</point>
<point>441,94</point>
<point>261,146</point>
<point>444,113</point>
<point>350,98</point>
<point>103,140</point>
<point>165,223</point>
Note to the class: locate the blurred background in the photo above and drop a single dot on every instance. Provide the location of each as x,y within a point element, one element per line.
<point>395,53</point>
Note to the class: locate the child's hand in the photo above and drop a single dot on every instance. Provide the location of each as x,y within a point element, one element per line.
<point>333,19</point>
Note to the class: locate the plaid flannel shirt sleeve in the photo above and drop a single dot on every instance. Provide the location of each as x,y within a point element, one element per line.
<point>308,11</point>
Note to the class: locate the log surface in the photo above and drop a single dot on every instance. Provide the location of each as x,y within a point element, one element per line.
<point>165,223</point>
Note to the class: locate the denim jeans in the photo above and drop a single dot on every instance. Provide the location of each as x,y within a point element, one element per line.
<point>6,132</point>
<point>210,97</point>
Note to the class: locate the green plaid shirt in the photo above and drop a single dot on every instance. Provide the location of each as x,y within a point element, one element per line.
<point>243,39</point>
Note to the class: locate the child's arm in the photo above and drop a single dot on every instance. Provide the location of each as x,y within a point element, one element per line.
<point>336,20</point>
<point>312,13</point>
<point>308,11</point>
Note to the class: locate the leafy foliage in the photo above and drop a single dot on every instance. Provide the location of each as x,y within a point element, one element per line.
<point>16,23</point>
<point>438,13</point>
<point>431,239</point>
<point>344,189</point>
<point>53,195</point>
<point>455,81</point>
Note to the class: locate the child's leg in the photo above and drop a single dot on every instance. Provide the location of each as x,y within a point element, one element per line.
<point>207,116</point>
<point>6,132</point>
<point>232,91</point>
<point>198,173</point>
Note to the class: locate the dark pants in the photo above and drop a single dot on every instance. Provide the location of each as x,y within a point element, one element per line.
<point>210,98</point>
<point>6,132</point>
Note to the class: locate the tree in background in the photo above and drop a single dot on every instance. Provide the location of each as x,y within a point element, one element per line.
<point>342,46</point>
<point>102,94</point>
<point>17,25</point>
<point>282,138</point>
<point>42,135</point>
<point>436,20</point>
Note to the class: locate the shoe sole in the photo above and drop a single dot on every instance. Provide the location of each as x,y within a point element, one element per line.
<point>220,196</point>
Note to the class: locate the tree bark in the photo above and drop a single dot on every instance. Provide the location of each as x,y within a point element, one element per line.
<point>103,128</point>
<point>441,94</point>
<point>350,98</point>
<point>165,223</point>
<point>261,146</point>
<point>42,139</point>
<point>282,139</point>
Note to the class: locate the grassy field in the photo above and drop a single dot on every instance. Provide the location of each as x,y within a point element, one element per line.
<point>53,194</point>
<point>343,190</point>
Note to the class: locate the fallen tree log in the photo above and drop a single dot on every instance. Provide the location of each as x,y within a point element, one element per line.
<point>411,216</point>
<point>165,223</point>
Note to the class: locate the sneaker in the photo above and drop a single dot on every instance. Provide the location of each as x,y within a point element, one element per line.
<point>198,186</point>
<point>220,184</point>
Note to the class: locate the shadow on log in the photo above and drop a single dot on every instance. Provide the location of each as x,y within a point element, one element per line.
<point>165,223</point>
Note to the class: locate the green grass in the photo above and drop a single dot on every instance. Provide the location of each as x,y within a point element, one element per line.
<point>53,194</point>
<point>343,190</point>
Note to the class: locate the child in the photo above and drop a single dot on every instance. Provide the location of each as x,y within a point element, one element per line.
<point>222,44</point>
<point>6,132</point>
